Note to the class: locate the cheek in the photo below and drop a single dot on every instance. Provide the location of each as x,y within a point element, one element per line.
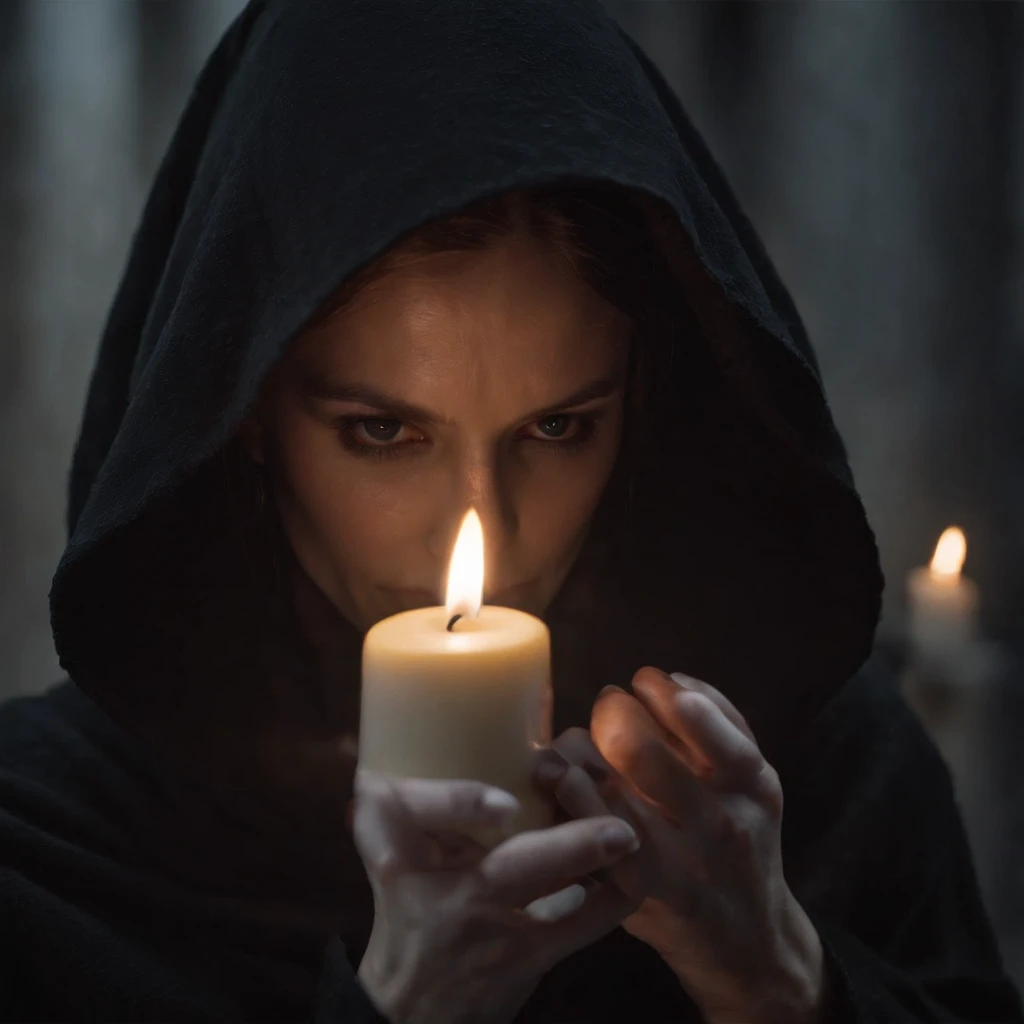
<point>562,493</point>
<point>352,513</point>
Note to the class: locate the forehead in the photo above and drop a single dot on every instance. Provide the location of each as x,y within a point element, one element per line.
<point>506,325</point>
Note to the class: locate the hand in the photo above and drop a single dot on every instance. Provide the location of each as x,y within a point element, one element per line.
<point>680,762</point>
<point>451,940</point>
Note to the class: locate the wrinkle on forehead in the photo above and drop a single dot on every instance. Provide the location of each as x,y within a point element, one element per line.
<point>504,330</point>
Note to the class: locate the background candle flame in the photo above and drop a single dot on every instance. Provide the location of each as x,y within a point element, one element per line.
<point>950,553</point>
<point>466,569</point>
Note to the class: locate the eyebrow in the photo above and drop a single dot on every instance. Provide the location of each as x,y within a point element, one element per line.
<point>330,391</point>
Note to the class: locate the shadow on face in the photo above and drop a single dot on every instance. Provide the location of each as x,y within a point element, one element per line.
<point>491,379</point>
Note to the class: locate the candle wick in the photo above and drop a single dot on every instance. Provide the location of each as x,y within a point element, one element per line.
<point>455,618</point>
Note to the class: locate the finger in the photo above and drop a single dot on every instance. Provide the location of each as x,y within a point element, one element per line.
<point>657,693</point>
<point>548,768</point>
<point>603,908</point>
<point>385,836</point>
<point>679,680</point>
<point>557,905</point>
<point>571,779</point>
<point>691,757</point>
<point>636,746</point>
<point>457,851</point>
<point>616,792</point>
<point>582,796</point>
<point>438,805</point>
<point>577,794</point>
<point>533,864</point>
<point>735,758</point>
<point>577,747</point>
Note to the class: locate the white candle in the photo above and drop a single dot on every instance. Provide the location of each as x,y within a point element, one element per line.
<point>467,702</point>
<point>943,605</point>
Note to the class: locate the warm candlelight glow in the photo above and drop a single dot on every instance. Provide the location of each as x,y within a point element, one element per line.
<point>949,555</point>
<point>460,696</point>
<point>466,571</point>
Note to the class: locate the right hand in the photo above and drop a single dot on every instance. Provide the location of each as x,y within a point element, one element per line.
<point>451,940</point>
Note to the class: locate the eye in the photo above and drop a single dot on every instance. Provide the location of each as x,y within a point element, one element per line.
<point>561,431</point>
<point>379,431</point>
<point>555,427</point>
<point>379,436</point>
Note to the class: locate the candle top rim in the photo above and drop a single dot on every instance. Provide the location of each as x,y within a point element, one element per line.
<point>425,630</point>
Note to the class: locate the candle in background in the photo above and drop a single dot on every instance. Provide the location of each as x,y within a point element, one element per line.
<point>943,607</point>
<point>460,691</point>
<point>950,681</point>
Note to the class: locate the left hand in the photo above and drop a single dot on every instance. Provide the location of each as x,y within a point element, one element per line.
<point>681,764</point>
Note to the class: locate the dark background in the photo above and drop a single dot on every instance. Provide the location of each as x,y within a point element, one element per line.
<point>879,149</point>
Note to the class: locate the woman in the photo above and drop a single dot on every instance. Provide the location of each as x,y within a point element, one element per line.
<point>403,259</point>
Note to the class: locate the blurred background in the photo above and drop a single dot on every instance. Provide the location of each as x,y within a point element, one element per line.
<point>877,146</point>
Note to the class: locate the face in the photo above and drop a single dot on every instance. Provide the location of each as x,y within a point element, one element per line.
<point>491,380</point>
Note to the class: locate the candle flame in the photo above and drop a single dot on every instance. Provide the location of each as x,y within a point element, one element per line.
<point>950,553</point>
<point>466,569</point>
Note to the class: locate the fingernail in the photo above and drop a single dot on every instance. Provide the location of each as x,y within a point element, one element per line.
<point>550,772</point>
<point>611,689</point>
<point>619,837</point>
<point>682,679</point>
<point>557,905</point>
<point>500,802</point>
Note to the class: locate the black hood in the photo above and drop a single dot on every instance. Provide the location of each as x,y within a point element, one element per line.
<point>320,133</point>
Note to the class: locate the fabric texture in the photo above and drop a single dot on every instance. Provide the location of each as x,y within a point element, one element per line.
<point>142,875</point>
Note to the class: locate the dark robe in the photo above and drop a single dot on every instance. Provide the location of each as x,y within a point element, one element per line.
<point>173,842</point>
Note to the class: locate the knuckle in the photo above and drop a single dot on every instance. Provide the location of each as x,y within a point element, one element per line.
<point>769,792</point>
<point>739,831</point>
<point>749,761</point>
<point>386,793</point>
<point>385,864</point>
<point>693,705</point>
<point>574,782</point>
<point>574,743</point>
<point>466,799</point>
<point>381,863</point>
<point>367,784</point>
<point>483,884</point>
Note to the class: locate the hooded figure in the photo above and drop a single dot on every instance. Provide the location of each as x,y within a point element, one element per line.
<point>404,258</point>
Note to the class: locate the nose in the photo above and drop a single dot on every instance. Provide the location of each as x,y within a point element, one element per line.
<point>484,485</point>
